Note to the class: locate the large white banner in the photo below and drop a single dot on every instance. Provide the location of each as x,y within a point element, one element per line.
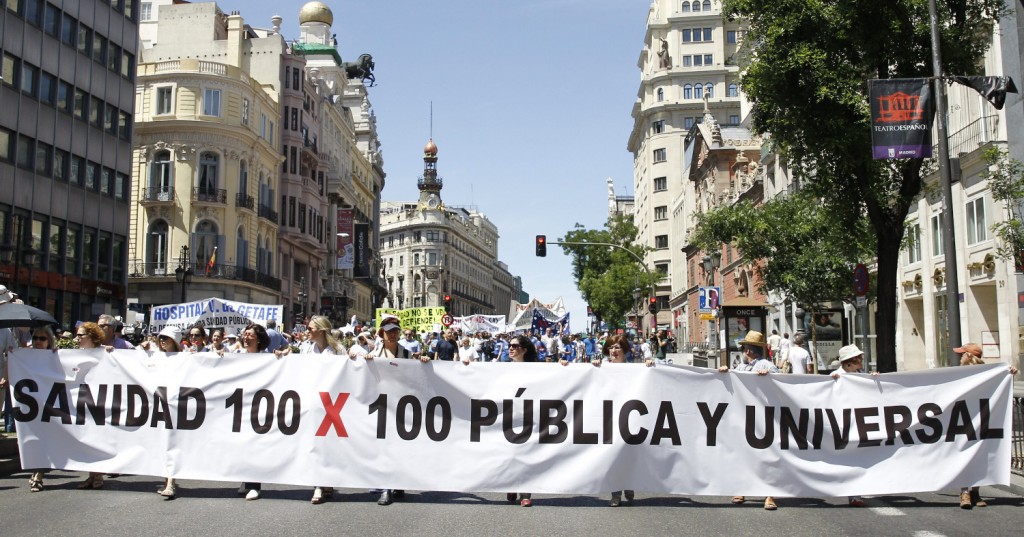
<point>214,313</point>
<point>481,323</point>
<point>498,427</point>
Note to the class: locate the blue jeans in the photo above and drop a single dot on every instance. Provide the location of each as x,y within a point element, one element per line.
<point>8,411</point>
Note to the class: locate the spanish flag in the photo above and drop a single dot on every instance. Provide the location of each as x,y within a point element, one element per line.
<point>210,263</point>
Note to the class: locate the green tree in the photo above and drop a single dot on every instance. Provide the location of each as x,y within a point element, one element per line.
<point>1006,182</point>
<point>606,276</point>
<point>806,68</point>
<point>797,248</point>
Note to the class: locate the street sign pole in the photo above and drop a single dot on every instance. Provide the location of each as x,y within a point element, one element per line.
<point>861,283</point>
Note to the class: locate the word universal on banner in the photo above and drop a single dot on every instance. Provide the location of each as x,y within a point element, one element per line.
<point>489,427</point>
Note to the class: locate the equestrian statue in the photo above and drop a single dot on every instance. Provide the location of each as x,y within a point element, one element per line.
<point>361,69</point>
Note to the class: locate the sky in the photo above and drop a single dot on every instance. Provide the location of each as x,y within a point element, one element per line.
<point>531,110</point>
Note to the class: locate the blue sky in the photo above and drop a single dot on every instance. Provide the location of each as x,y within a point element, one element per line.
<point>531,103</point>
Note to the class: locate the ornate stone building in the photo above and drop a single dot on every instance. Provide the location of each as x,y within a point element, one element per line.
<point>687,66</point>
<point>248,145</point>
<point>430,249</point>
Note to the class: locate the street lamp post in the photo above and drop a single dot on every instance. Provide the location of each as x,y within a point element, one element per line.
<point>303,295</point>
<point>184,272</point>
<point>636,302</point>
<point>710,264</point>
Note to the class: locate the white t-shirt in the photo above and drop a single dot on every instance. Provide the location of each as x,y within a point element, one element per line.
<point>773,342</point>
<point>784,345</point>
<point>799,357</point>
<point>646,348</point>
<point>468,354</point>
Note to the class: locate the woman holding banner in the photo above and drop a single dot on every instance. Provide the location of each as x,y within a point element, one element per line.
<point>254,340</point>
<point>42,339</point>
<point>970,354</point>
<point>321,341</point>
<point>521,349</point>
<point>168,342</point>
<point>90,336</point>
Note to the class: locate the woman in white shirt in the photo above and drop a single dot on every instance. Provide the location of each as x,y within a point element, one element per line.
<point>467,353</point>
<point>321,341</point>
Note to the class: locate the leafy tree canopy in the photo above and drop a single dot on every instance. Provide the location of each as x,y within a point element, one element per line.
<point>606,276</point>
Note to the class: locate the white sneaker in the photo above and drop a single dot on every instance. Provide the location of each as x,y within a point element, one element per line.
<point>253,494</point>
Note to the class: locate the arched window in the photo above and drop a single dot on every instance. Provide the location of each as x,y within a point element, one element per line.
<point>262,193</point>
<point>243,178</point>
<point>661,94</point>
<point>156,248</point>
<point>687,91</point>
<point>208,164</point>
<point>260,268</point>
<point>686,7</point>
<point>417,285</point>
<point>268,263</point>
<point>160,179</point>
<point>707,5</point>
<point>698,91</point>
<point>205,238</point>
<point>241,249</point>
<point>733,90</point>
<point>696,5</point>
<point>709,89</point>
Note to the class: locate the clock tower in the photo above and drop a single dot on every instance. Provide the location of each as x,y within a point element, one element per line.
<point>430,183</point>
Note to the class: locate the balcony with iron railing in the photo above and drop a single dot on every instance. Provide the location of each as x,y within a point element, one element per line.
<point>265,211</point>
<point>210,195</point>
<point>157,194</point>
<point>244,201</point>
<point>138,268</point>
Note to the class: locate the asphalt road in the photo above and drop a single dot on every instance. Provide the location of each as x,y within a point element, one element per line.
<point>129,506</point>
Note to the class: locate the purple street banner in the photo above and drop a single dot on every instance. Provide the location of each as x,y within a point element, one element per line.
<point>901,118</point>
<point>362,257</point>
<point>321,420</point>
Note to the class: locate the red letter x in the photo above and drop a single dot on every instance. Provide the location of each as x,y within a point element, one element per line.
<point>333,416</point>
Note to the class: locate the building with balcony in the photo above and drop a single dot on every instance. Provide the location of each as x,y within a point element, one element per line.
<point>67,94</point>
<point>430,250</point>
<point>688,72</point>
<point>207,163</point>
<point>249,146</point>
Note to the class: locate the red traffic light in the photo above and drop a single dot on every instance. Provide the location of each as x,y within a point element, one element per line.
<point>542,246</point>
<point>654,300</point>
<point>652,305</point>
<point>447,298</point>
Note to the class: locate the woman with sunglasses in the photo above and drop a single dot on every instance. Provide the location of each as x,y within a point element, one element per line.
<point>196,339</point>
<point>254,340</point>
<point>615,350</point>
<point>168,342</point>
<point>521,349</point>
<point>90,336</point>
<point>42,339</point>
<point>321,341</point>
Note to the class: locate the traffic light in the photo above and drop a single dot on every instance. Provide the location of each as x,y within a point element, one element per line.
<point>447,302</point>
<point>542,246</point>
<point>653,305</point>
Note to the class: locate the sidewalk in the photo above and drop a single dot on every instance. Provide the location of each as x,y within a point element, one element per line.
<point>1016,485</point>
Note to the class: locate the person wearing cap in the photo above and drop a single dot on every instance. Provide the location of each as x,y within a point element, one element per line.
<point>970,354</point>
<point>169,341</point>
<point>390,332</point>
<point>362,346</point>
<point>755,360</point>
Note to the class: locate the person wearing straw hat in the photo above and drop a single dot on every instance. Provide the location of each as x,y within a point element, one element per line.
<point>970,354</point>
<point>755,360</point>
<point>851,360</point>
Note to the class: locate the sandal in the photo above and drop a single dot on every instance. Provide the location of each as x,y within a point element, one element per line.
<point>738,500</point>
<point>526,502</point>
<point>769,504</point>
<point>35,484</point>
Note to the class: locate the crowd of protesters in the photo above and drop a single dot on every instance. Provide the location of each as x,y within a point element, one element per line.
<point>775,355</point>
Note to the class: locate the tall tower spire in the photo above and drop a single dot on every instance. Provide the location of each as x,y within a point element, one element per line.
<point>430,183</point>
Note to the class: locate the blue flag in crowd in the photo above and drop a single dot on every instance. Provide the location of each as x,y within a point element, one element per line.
<point>563,325</point>
<point>539,322</point>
